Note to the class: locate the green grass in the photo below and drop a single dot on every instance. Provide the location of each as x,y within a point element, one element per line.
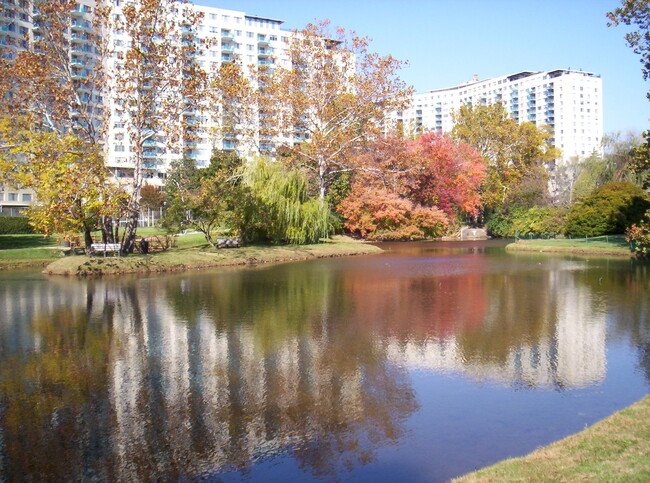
<point>603,245</point>
<point>614,449</point>
<point>194,254</point>
<point>8,242</point>
<point>26,251</point>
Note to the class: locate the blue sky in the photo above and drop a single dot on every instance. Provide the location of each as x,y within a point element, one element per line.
<point>446,42</point>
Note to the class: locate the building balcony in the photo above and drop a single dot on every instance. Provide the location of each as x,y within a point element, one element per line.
<point>265,62</point>
<point>262,39</point>
<point>226,34</point>
<point>261,52</point>
<point>228,47</point>
<point>80,25</point>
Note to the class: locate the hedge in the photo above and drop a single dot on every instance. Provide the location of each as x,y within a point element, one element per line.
<point>15,225</point>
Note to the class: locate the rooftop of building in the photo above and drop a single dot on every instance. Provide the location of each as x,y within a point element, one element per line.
<point>513,77</point>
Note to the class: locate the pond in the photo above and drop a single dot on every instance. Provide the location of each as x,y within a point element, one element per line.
<point>419,364</point>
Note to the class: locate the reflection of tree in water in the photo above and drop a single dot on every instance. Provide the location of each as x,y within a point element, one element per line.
<point>54,407</point>
<point>126,388</point>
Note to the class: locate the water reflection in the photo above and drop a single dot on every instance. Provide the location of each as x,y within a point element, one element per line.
<point>189,376</point>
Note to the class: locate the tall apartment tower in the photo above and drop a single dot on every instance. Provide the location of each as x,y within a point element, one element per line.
<point>568,101</point>
<point>20,28</point>
<point>235,36</point>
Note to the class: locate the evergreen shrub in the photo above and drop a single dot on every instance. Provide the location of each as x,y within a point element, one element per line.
<point>15,225</point>
<point>609,210</point>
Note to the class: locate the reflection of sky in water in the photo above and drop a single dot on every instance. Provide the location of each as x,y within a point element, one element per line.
<point>422,364</point>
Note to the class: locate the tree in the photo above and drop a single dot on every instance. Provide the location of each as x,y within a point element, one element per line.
<point>51,120</point>
<point>234,98</point>
<point>335,97</point>
<point>638,235</point>
<point>447,176</point>
<point>380,214</point>
<point>610,209</point>
<point>68,178</point>
<point>511,151</point>
<point>640,162</point>
<point>156,84</point>
<point>205,199</point>
<point>48,83</point>
<point>281,209</point>
<point>635,12</point>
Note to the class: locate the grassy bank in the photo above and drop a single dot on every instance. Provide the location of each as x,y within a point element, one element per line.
<point>614,449</point>
<point>189,257</point>
<point>614,245</point>
<point>27,251</point>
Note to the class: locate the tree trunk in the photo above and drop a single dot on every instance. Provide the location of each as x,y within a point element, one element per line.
<point>88,239</point>
<point>134,203</point>
<point>321,181</point>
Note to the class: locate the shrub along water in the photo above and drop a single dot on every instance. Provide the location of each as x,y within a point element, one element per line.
<point>610,209</point>
<point>15,225</point>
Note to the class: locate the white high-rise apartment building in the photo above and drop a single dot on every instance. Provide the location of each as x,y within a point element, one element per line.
<point>568,101</point>
<point>235,35</point>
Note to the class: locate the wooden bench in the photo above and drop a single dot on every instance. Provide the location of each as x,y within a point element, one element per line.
<point>105,248</point>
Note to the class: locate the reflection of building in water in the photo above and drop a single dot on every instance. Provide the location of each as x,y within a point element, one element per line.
<point>20,302</point>
<point>569,352</point>
<point>212,399</point>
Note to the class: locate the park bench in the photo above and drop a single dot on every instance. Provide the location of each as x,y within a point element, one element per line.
<point>105,248</point>
<point>227,243</point>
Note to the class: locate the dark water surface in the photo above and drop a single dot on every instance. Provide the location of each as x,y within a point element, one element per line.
<point>416,365</point>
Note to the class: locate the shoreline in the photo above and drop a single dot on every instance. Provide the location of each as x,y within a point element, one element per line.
<point>190,259</point>
<point>574,247</point>
<point>613,449</point>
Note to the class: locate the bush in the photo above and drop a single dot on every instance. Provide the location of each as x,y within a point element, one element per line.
<point>639,237</point>
<point>610,209</point>
<point>516,220</point>
<point>15,225</point>
<point>540,221</point>
<point>500,222</point>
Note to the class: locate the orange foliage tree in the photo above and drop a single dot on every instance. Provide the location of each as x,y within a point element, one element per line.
<point>380,214</point>
<point>411,189</point>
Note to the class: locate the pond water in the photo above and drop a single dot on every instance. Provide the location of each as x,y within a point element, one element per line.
<point>419,364</point>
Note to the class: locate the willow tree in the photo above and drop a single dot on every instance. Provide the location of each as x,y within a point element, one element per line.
<point>512,151</point>
<point>155,85</point>
<point>335,97</point>
<point>280,207</point>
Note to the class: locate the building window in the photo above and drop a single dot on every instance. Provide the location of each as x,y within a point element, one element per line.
<point>27,197</point>
<point>13,197</point>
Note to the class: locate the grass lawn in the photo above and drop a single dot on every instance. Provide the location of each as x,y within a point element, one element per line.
<point>194,254</point>
<point>614,449</point>
<point>603,245</point>
<point>25,251</point>
<point>26,241</point>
